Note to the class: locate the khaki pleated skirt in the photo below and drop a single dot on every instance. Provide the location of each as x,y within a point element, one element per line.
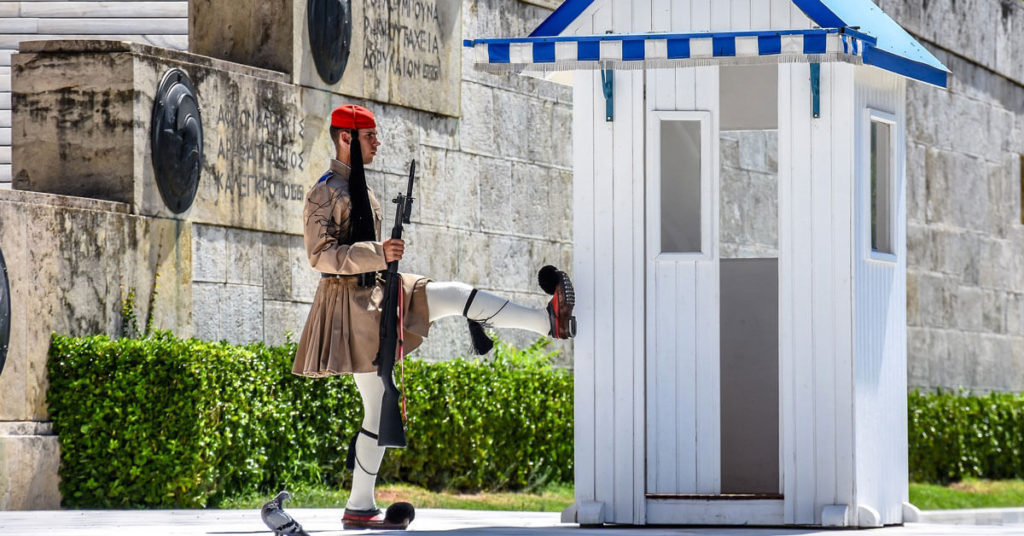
<point>343,327</point>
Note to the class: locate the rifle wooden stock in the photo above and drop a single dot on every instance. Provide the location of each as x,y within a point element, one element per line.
<point>392,430</point>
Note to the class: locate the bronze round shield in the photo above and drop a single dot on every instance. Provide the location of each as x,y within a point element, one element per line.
<point>5,312</point>
<point>177,140</point>
<point>330,36</point>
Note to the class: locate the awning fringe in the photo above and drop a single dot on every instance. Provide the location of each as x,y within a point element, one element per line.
<point>662,63</point>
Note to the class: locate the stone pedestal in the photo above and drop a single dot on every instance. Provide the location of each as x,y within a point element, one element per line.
<point>404,53</point>
<point>29,459</point>
<point>262,140</point>
<point>64,278</point>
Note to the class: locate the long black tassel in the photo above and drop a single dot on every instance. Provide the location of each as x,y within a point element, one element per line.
<point>361,219</point>
<point>481,342</point>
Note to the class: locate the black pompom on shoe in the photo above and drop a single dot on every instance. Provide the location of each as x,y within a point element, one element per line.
<point>548,278</point>
<point>400,514</point>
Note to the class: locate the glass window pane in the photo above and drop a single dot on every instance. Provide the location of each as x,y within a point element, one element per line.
<point>881,187</point>
<point>680,186</point>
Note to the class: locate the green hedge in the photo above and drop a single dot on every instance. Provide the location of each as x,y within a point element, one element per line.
<point>953,436</point>
<point>162,421</point>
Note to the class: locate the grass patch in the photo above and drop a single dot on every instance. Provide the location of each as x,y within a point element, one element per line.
<point>551,498</point>
<point>969,493</point>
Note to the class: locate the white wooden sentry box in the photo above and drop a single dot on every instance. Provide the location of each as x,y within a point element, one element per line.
<point>716,388</point>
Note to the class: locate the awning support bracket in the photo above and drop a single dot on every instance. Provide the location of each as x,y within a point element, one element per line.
<point>608,87</point>
<point>816,90</point>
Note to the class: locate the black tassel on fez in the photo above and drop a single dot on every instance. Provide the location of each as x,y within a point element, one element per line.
<point>361,216</point>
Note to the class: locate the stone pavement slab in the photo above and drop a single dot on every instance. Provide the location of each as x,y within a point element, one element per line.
<point>326,522</point>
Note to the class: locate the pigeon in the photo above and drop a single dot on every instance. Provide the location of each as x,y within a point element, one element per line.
<point>278,520</point>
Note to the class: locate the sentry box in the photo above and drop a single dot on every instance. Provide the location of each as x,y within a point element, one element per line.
<point>740,256</point>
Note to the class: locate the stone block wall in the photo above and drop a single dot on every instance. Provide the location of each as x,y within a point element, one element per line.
<point>749,194</point>
<point>965,238</point>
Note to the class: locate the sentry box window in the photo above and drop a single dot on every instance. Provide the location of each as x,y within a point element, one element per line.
<point>680,186</point>
<point>882,187</point>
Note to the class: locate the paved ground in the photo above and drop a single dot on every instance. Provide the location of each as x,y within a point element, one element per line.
<point>326,522</point>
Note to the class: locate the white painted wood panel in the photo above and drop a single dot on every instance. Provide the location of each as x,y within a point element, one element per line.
<point>671,423</point>
<point>583,273</point>
<point>843,182</point>
<point>705,512</point>
<point>5,155</point>
<point>604,337</point>
<point>760,14</point>
<point>587,106</point>
<point>682,363</point>
<point>681,17</point>
<point>642,18</point>
<point>584,264</point>
<point>880,313</point>
<point>797,18</point>
<point>678,302</point>
<point>780,11</point>
<point>787,425</point>
<point>621,260</point>
<point>795,258</point>
<point>822,289</point>
<point>700,15</point>
<point>709,402</point>
<point>661,17</point>
<point>720,15</point>
<point>739,15</point>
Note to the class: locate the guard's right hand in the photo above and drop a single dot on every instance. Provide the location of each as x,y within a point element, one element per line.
<point>394,248</point>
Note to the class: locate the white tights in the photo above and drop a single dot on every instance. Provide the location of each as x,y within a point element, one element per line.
<point>449,299</point>
<point>443,299</point>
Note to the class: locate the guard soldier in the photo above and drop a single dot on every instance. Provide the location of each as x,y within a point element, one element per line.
<point>342,226</point>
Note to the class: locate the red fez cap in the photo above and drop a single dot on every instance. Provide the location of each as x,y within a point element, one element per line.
<point>352,116</point>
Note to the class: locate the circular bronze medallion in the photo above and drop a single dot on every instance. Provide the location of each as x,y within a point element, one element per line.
<point>177,140</point>
<point>330,36</point>
<point>5,312</point>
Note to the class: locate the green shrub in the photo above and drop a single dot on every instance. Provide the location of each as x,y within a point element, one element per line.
<point>954,435</point>
<point>162,421</point>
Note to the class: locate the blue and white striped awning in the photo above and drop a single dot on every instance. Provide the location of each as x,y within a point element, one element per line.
<point>656,50</point>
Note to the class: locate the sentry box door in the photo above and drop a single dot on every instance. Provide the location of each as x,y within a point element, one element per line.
<point>682,306</point>
<point>712,308</point>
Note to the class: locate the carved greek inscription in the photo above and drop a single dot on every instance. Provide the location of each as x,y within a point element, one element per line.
<point>402,38</point>
<point>258,154</point>
<point>253,185</point>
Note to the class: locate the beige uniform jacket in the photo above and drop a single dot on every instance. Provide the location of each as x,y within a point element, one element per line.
<point>342,331</point>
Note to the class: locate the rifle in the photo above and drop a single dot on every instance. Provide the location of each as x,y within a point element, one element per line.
<point>392,431</point>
